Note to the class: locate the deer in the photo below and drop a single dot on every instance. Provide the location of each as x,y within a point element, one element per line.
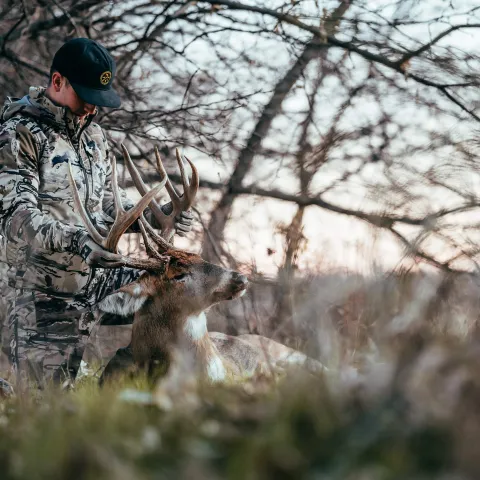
<point>176,287</point>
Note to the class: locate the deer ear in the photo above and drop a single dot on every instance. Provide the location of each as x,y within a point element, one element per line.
<point>126,300</point>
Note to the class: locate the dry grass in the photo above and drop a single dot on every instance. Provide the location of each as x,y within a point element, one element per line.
<point>402,400</point>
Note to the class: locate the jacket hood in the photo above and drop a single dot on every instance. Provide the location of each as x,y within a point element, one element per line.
<point>38,106</point>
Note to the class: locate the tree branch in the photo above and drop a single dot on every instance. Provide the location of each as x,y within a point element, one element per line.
<point>397,65</point>
<point>378,220</point>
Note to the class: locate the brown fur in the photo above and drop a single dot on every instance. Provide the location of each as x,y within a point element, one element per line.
<point>170,298</point>
<point>159,329</point>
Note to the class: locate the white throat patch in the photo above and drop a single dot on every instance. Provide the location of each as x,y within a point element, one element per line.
<point>195,327</point>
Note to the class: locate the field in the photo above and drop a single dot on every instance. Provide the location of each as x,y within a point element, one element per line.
<point>400,399</point>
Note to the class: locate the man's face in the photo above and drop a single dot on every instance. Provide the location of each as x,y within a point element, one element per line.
<point>67,97</point>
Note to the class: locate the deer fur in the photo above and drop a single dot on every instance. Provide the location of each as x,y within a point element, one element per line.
<point>169,316</point>
<point>170,298</point>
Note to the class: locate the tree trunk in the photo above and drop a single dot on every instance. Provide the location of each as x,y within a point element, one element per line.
<point>221,212</point>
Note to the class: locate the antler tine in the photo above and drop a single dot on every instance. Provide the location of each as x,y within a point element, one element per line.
<point>191,192</point>
<point>182,203</point>
<point>124,219</point>
<point>161,170</point>
<point>158,239</point>
<point>81,210</point>
<point>166,222</point>
<point>140,184</point>
<point>179,203</point>
<point>181,165</point>
<point>144,226</point>
<point>190,188</point>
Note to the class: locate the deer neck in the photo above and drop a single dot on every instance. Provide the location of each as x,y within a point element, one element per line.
<point>156,338</point>
<point>194,335</point>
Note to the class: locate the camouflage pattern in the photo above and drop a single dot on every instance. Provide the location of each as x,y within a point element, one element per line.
<point>37,218</point>
<point>6,295</point>
<point>48,335</point>
<point>48,290</point>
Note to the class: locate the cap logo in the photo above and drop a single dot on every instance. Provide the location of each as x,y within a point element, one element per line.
<point>105,77</point>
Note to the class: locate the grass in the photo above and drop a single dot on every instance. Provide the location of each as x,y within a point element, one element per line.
<point>411,411</point>
<point>306,427</point>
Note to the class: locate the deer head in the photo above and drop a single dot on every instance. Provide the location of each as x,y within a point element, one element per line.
<point>185,285</point>
<point>176,286</point>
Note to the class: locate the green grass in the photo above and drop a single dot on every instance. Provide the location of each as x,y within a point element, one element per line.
<point>303,428</point>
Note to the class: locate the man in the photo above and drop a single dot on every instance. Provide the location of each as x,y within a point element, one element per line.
<point>54,268</point>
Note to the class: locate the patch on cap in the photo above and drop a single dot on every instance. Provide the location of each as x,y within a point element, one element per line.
<point>105,77</point>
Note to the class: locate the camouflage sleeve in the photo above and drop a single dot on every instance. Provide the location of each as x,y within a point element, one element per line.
<point>21,220</point>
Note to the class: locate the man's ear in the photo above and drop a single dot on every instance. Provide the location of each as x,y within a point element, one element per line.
<point>126,300</point>
<point>57,81</point>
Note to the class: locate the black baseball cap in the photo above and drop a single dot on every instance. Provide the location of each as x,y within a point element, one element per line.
<point>90,69</point>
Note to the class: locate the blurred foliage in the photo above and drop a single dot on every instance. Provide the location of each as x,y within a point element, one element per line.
<point>300,432</point>
<point>367,426</point>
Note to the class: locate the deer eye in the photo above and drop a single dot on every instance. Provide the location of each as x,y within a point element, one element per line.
<point>180,276</point>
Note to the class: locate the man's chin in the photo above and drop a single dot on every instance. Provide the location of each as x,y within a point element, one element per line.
<point>82,115</point>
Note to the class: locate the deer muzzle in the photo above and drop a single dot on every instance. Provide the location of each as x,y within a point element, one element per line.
<point>238,285</point>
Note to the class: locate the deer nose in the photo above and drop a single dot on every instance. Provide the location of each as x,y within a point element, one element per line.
<point>239,279</point>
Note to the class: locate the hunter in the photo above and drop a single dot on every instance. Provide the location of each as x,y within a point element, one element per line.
<point>51,268</point>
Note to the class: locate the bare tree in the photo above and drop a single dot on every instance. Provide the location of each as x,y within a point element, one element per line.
<point>220,76</point>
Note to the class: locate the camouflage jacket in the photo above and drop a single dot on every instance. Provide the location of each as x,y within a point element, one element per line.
<point>37,219</point>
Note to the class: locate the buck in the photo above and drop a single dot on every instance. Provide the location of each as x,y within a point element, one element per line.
<point>176,287</point>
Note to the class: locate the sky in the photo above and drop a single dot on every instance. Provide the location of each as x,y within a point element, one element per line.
<point>334,242</point>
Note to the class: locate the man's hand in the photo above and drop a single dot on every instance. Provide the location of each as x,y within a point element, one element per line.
<point>183,221</point>
<point>93,254</point>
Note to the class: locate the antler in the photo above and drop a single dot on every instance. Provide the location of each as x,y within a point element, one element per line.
<point>123,219</point>
<point>179,203</point>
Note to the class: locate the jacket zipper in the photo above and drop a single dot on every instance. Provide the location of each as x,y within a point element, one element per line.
<point>91,273</point>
